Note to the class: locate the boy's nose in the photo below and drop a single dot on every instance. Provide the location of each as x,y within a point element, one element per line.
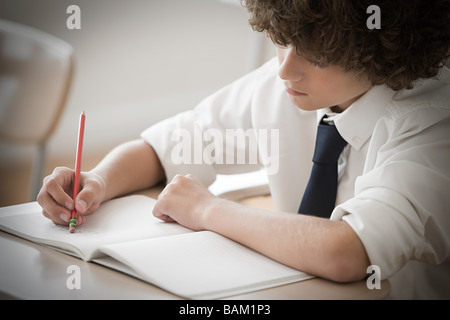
<point>290,65</point>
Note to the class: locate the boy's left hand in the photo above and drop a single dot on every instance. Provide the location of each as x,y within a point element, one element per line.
<point>184,200</point>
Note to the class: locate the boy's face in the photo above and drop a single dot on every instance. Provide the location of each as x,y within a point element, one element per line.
<point>311,87</point>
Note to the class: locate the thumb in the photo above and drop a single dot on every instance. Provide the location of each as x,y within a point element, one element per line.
<point>80,205</point>
<point>91,194</point>
<point>86,201</point>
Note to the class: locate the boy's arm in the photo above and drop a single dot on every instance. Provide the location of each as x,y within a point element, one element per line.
<point>129,167</point>
<point>322,247</point>
<point>330,249</point>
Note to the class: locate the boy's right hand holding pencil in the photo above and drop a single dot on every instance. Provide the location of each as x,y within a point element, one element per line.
<point>129,167</point>
<point>55,195</point>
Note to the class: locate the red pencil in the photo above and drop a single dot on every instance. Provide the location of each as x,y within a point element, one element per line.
<point>76,181</point>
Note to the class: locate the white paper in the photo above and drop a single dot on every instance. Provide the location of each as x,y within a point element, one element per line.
<point>202,265</point>
<point>118,220</point>
<point>239,186</point>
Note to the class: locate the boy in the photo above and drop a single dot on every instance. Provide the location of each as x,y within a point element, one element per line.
<point>387,93</point>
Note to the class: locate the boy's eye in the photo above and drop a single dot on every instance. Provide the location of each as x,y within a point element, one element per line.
<point>316,61</point>
<point>318,64</point>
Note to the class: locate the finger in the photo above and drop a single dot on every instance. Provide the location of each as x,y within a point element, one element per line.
<point>55,202</point>
<point>163,217</point>
<point>53,210</point>
<point>192,177</point>
<point>90,196</point>
<point>63,218</point>
<point>159,213</point>
<point>56,186</point>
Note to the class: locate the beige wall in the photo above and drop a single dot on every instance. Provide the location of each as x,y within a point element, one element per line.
<point>137,62</point>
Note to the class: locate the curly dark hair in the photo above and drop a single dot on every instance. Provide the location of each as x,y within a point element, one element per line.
<point>413,41</point>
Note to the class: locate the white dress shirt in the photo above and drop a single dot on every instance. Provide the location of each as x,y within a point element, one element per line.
<point>394,174</point>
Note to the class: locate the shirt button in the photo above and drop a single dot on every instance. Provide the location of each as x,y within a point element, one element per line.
<point>356,140</point>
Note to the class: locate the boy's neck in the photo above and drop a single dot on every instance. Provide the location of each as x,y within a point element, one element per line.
<point>337,109</point>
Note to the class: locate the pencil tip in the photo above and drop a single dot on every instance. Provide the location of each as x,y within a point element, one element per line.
<point>72,229</point>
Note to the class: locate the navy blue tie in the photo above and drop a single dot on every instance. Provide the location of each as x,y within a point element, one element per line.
<point>320,194</point>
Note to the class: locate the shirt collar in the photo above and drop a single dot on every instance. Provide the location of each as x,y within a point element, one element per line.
<point>357,122</point>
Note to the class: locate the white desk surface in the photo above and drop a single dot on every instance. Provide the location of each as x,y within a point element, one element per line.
<point>32,271</point>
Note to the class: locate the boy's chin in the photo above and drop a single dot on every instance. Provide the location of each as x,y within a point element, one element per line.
<point>304,105</point>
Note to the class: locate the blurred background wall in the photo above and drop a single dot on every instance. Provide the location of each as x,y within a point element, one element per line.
<point>136,62</point>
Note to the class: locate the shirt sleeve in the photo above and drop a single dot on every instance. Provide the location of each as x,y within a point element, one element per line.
<point>400,208</point>
<point>210,138</point>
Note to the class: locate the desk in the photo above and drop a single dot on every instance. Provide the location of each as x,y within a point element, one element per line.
<point>32,271</point>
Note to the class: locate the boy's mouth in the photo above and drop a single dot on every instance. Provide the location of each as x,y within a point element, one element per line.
<point>295,93</point>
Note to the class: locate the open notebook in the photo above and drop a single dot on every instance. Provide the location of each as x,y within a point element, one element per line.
<point>123,234</point>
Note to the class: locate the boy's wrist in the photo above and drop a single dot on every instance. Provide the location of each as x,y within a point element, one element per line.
<point>102,181</point>
<point>215,214</point>
<point>209,212</point>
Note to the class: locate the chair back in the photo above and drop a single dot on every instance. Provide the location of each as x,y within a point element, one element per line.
<point>35,76</point>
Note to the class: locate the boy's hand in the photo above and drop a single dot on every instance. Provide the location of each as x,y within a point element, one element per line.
<point>55,196</point>
<point>184,200</point>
